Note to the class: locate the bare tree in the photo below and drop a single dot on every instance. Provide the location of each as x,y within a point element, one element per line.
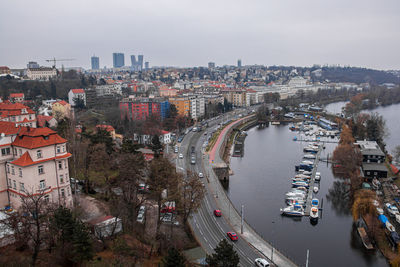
<point>192,194</point>
<point>31,222</point>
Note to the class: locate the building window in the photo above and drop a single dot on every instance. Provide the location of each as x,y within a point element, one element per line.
<point>59,165</point>
<point>12,170</point>
<point>21,186</point>
<point>20,172</point>
<point>8,168</point>
<point>15,184</point>
<point>63,148</point>
<point>9,182</point>
<point>62,192</point>
<point>47,198</point>
<point>5,151</point>
<point>42,185</point>
<point>61,178</point>
<point>65,164</point>
<point>39,154</point>
<point>58,149</point>
<point>40,169</point>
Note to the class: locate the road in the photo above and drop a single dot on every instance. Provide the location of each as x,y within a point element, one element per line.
<point>208,229</point>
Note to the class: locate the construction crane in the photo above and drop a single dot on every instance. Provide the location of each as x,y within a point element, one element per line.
<point>54,60</point>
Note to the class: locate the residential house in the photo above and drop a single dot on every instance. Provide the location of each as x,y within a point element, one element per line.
<point>17,113</point>
<point>74,94</point>
<point>46,121</point>
<point>373,160</point>
<point>61,109</point>
<point>107,128</point>
<point>17,97</point>
<point>34,160</point>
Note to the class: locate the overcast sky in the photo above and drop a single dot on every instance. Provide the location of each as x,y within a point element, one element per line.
<point>185,33</point>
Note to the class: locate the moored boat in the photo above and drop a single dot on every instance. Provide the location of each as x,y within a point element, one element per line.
<point>295,210</point>
<point>315,202</point>
<point>315,189</point>
<point>314,214</point>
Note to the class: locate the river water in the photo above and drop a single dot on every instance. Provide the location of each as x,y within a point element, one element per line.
<point>262,177</point>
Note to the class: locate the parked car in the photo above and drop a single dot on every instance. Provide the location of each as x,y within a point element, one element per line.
<point>140,218</point>
<point>217,213</point>
<point>232,235</point>
<point>181,156</point>
<point>142,209</point>
<point>201,175</point>
<point>176,149</point>
<point>261,262</point>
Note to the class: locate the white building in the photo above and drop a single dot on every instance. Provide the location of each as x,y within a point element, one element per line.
<point>109,89</point>
<point>76,93</point>
<point>297,81</point>
<point>42,73</point>
<point>197,107</point>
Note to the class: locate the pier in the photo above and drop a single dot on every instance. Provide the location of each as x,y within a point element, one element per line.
<point>311,185</point>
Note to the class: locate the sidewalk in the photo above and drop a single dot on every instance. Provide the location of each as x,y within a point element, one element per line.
<point>229,211</point>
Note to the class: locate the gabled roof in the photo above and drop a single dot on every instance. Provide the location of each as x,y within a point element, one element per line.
<point>78,91</point>
<point>61,102</point>
<point>17,95</point>
<point>37,137</point>
<point>41,119</point>
<point>8,128</point>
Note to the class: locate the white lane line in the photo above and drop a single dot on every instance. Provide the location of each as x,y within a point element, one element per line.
<point>201,232</point>
<point>210,246</point>
<point>205,239</point>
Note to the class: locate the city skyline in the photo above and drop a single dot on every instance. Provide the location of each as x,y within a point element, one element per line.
<point>360,33</point>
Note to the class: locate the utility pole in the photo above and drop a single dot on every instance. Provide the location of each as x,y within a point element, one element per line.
<point>241,223</point>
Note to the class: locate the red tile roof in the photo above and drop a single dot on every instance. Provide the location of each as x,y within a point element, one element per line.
<point>37,137</point>
<point>62,102</point>
<point>164,132</point>
<point>108,128</point>
<point>17,95</point>
<point>41,119</point>
<point>77,91</point>
<point>8,128</point>
<point>26,160</point>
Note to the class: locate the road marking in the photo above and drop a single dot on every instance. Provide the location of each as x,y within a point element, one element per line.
<point>201,232</point>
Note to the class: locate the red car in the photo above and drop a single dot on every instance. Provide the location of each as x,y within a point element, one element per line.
<point>232,235</point>
<point>217,213</point>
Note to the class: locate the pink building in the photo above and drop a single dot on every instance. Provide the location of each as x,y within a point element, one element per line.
<point>34,161</point>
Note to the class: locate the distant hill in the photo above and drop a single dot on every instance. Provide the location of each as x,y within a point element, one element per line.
<point>358,75</point>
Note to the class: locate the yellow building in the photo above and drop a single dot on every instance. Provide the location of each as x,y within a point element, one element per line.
<point>61,109</point>
<point>182,105</point>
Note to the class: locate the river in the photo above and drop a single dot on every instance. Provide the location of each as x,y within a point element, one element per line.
<point>262,177</point>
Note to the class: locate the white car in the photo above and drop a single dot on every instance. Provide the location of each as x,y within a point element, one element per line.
<point>140,218</point>
<point>201,175</point>
<point>261,262</point>
<point>142,209</point>
<point>181,156</point>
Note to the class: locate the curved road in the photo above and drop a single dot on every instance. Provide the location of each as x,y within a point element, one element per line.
<point>208,229</point>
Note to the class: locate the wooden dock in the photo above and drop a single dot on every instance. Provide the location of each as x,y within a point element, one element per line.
<point>312,182</point>
<point>317,141</point>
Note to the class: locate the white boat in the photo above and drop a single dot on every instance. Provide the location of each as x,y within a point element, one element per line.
<point>302,184</point>
<point>307,162</point>
<point>315,189</point>
<point>317,178</point>
<point>307,172</point>
<point>392,209</point>
<point>314,214</point>
<point>381,212</point>
<point>302,176</point>
<point>295,194</point>
<point>315,202</point>
<point>295,210</point>
<point>309,156</point>
<point>295,201</point>
<point>302,188</point>
<point>318,173</point>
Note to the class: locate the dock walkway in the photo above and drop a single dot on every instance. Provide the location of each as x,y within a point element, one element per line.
<point>312,182</point>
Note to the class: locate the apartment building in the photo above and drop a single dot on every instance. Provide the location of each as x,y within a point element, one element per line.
<point>197,107</point>
<point>182,105</point>
<point>235,96</point>
<point>142,108</point>
<point>17,113</point>
<point>33,161</point>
